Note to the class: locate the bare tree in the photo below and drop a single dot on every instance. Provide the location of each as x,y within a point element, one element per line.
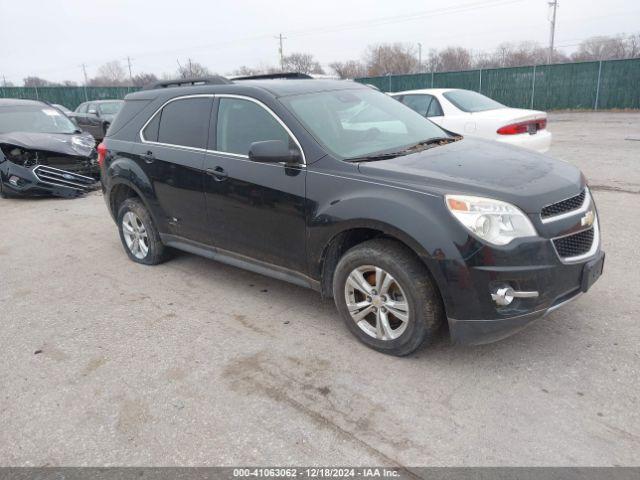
<point>453,59</point>
<point>245,71</point>
<point>395,58</point>
<point>608,48</point>
<point>142,79</point>
<point>113,72</point>
<point>192,69</point>
<point>302,63</point>
<point>37,82</point>
<point>349,69</point>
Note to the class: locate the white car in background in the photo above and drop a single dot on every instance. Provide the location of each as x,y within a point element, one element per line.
<point>471,114</point>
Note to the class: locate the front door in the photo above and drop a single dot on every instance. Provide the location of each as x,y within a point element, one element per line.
<point>255,209</point>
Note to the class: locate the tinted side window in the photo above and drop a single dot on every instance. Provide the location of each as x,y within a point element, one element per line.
<point>435,110</point>
<point>242,122</point>
<point>82,108</point>
<point>418,103</point>
<point>185,122</point>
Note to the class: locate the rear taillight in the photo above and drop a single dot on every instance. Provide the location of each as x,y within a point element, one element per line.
<point>523,127</point>
<point>102,153</point>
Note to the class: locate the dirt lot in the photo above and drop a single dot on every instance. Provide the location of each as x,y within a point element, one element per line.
<point>196,363</point>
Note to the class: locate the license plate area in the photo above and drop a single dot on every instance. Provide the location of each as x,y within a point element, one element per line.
<point>591,272</point>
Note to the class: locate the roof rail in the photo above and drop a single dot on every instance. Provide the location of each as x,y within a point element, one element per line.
<point>183,82</point>
<point>271,76</point>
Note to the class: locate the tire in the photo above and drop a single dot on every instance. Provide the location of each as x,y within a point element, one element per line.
<point>144,235</point>
<point>409,293</point>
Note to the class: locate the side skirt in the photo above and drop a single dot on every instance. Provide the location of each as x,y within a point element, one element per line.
<point>240,261</point>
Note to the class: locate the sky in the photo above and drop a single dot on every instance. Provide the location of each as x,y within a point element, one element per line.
<point>53,38</point>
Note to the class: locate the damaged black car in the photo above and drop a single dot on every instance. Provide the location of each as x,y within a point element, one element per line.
<point>42,152</point>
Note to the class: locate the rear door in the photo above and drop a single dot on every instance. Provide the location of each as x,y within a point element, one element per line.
<point>255,209</point>
<point>172,154</point>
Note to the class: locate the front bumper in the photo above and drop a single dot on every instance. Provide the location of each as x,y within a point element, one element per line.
<point>42,180</point>
<point>574,281</point>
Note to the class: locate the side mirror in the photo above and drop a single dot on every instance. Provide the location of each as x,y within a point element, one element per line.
<point>93,111</point>
<point>273,151</point>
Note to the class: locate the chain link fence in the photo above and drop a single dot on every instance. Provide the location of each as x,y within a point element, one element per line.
<point>70,97</point>
<point>610,84</point>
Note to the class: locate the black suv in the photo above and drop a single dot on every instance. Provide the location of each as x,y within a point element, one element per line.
<point>338,187</point>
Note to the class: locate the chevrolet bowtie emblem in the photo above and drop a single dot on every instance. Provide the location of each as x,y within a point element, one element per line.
<point>588,219</point>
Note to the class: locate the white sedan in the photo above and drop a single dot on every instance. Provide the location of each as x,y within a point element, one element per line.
<point>471,114</point>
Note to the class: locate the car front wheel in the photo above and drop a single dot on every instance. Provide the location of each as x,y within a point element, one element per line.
<point>386,297</point>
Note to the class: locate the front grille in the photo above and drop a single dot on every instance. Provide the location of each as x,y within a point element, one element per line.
<point>576,244</point>
<point>564,206</point>
<point>63,178</point>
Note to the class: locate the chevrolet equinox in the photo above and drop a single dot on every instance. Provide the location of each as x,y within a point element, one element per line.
<point>334,186</point>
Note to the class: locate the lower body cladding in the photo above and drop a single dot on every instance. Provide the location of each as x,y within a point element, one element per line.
<point>502,300</point>
<point>42,180</point>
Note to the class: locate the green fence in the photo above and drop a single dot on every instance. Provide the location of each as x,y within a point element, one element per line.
<point>585,85</point>
<point>70,97</point>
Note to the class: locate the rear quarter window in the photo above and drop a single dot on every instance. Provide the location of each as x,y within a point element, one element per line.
<point>128,112</point>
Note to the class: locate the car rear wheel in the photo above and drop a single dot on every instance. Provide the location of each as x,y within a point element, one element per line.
<point>386,297</point>
<point>138,234</point>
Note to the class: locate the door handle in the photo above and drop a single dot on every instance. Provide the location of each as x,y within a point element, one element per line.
<point>217,173</point>
<point>148,157</point>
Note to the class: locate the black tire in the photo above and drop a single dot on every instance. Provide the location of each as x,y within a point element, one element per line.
<point>411,276</point>
<point>157,252</point>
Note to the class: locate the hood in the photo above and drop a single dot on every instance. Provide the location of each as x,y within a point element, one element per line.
<point>77,144</point>
<point>486,168</point>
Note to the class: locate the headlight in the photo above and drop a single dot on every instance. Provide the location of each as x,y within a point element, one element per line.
<point>493,221</point>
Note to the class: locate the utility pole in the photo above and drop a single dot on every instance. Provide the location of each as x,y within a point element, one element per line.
<point>84,71</point>
<point>130,75</point>
<point>419,57</point>
<point>281,51</point>
<point>553,4</point>
<point>86,80</point>
<point>4,81</point>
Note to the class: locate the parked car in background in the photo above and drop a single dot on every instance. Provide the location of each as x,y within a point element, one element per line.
<point>42,152</point>
<point>337,187</point>
<point>96,116</point>
<point>472,114</point>
<point>62,108</point>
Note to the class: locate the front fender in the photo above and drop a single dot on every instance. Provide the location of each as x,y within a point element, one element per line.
<point>419,220</point>
<point>123,170</point>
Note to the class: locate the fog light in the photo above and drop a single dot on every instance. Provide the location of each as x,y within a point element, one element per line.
<point>505,295</point>
<point>15,181</point>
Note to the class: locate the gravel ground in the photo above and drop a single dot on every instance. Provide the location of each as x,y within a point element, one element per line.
<point>105,362</point>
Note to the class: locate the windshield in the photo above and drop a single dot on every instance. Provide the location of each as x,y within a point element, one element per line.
<point>35,119</point>
<point>360,123</point>
<point>469,101</point>
<point>110,108</point>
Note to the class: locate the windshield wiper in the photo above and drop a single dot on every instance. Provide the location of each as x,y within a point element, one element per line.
<point>431,141</point>
<point>379,156</point>
<point>411,149</point>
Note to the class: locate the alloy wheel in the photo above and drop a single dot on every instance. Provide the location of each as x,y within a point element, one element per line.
<point>376,302</point>
<point>135,235</point>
